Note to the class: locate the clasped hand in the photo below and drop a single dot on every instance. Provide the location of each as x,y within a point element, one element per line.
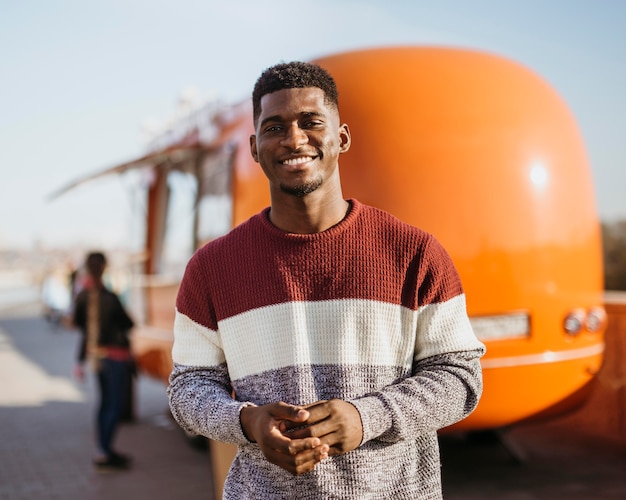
<point>297,438</point>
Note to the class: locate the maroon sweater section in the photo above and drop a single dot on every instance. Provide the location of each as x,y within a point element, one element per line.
<point>369,255</point>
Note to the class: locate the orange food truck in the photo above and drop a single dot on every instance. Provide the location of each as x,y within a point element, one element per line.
<point>470,146</point>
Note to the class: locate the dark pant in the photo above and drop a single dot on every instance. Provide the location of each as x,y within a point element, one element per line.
<point>114,381</point>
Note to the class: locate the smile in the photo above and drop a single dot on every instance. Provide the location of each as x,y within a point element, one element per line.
<point>297,161</point>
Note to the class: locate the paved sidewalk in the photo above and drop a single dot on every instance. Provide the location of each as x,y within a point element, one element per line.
<point>46,428</point>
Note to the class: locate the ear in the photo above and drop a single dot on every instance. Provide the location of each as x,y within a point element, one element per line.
<point>253,151</point>
<point>344,138</point>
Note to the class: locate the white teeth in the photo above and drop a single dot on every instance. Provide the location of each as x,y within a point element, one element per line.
<point>297,161</point>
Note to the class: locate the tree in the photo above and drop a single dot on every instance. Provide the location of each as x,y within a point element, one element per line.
<point>614,253</point>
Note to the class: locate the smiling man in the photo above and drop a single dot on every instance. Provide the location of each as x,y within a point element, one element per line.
<point>326,338</point>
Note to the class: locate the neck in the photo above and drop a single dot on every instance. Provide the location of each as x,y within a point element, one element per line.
<point>308,215</point>
<point>97,283</point>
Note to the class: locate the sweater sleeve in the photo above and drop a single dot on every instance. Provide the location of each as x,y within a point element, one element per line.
<point>202,404</point>
<point>200,391</point>
<point>445,383</point>
<point>443,390</point>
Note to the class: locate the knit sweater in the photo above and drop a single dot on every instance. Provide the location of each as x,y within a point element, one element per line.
<point>370,311</point>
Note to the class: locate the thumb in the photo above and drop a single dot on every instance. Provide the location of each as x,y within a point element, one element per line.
<point>293,413</point>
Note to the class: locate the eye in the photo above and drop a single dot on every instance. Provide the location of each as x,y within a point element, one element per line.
<point>272,129</point>
<point>313,124</point>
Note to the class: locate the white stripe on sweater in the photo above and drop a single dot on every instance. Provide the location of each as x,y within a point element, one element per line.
<point>339,332</point>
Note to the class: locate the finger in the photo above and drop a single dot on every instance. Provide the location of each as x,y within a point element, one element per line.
<point>317,403</point>
<point>318,411</point>
<point>316,430</point>
<point>306,461</point>
<point>277,441</point>
<point>321,452</point>
<point>300,463</point>
<point>302,445</point>
<point>284,411</point>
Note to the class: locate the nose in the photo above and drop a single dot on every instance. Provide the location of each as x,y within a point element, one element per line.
<point>294,137</point>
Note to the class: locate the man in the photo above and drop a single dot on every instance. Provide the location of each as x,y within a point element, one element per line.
<point>326,338</point>
<point>105,325</point>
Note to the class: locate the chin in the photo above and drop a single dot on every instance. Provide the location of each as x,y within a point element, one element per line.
<point>300,190</point>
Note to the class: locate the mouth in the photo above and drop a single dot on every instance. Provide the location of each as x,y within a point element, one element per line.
<point>297,161</point>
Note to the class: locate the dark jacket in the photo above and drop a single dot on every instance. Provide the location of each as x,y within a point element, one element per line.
<point>115,323</point>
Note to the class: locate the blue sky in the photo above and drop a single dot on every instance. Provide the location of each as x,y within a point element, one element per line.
<point>78,79</point>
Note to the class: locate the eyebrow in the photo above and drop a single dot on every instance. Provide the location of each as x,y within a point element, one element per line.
<point>279,118</point>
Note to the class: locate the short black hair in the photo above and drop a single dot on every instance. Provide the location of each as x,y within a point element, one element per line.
<point>293,75</point>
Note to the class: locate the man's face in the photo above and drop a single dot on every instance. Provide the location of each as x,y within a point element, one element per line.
<point>298,140</point>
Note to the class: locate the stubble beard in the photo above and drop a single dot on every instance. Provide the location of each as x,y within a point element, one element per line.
<point>301,190</point>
